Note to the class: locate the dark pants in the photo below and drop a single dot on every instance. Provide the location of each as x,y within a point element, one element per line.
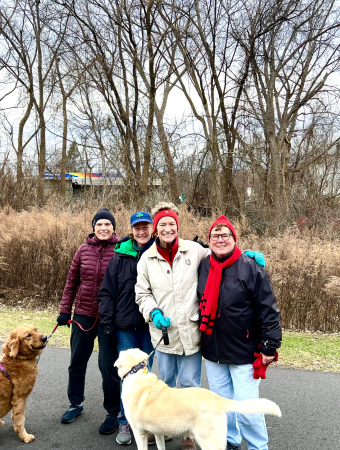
<point>81,349</point>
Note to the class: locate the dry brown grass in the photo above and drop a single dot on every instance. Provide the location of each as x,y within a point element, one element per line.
<point>300,267</point>
<point>37,247</point>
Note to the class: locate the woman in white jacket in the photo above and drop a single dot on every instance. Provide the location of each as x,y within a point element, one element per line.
<point>166,292</point>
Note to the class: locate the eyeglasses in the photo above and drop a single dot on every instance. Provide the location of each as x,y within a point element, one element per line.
<point>225,237</point>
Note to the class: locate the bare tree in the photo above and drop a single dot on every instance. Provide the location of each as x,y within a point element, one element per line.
<point>69,76</point>
<point>30,31</point>
<point>116,43</point>
<point>296,52</point>
<point>218,71</point>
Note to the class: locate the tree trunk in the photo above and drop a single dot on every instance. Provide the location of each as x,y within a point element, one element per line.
<point>20,152</point>
<point>42,156</point>
<point>152,98</point>
<point>64,151</point>
<point>169,162</point>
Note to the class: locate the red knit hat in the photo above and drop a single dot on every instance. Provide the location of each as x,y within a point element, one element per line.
<point>223,221</point>
<point>164,213</point>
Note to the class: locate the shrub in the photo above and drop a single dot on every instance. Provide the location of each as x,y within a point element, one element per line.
<point>37,247</point>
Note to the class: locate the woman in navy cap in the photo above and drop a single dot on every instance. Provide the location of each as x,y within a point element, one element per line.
<point>118,312</point>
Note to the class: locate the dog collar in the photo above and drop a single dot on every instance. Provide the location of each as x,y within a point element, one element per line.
<point>142,365</point>
<point>3,370</point>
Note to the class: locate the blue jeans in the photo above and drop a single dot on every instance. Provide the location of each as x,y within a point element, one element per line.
<point>237,382</point>
<point>127,339</point>
<point>186,368</point>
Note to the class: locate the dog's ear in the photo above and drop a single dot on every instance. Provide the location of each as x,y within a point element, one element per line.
<point>119,361</point>
<point>13,343</point>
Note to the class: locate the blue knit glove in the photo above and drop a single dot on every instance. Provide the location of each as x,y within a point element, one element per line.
<point>159,321</point>
<point>258,256</point>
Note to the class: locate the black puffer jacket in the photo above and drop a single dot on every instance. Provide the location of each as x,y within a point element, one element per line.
<point>246,316</point>
<point>116,298</point>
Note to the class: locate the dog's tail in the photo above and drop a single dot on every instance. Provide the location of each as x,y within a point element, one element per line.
<point>253,406</point>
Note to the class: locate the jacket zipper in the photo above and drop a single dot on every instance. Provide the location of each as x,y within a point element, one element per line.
<point>100,258</point>
<point>215,326</point>
<point>215,332</point>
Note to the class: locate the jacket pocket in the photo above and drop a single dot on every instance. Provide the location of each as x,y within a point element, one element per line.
<point>195,333</point>
<point>79,300</point>
<point>248,336</point>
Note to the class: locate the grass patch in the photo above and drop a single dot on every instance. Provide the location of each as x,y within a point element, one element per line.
<point>44,320</point>
<point>309,351</point>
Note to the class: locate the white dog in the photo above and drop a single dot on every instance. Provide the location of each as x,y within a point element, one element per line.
<point>151,406</point>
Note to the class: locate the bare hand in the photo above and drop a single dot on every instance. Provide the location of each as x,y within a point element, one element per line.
<point>267,359</point>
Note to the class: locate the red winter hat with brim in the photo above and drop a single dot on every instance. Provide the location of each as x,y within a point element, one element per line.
<point>223,221</point>
<point>164,213</point>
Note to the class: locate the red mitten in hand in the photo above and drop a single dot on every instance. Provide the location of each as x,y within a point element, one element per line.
<point>259,368</point>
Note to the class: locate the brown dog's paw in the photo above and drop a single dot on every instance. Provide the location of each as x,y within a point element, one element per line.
<point>2,423</point>
<point>28,438</point>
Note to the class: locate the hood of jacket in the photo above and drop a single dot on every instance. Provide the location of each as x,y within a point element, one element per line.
<point>125,247</point>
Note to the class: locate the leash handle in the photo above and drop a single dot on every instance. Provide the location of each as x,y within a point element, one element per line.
<point>165,336</point>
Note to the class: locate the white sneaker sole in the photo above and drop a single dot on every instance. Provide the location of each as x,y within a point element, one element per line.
<point>123,443</point>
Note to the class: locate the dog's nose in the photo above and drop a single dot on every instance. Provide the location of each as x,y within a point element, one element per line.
<point>44,338</point>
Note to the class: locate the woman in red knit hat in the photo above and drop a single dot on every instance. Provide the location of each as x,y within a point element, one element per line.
<point>166,294</point>
<point>240,329</point>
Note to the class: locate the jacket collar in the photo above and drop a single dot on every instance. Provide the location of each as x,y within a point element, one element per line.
<point>182,247</point>
<point>125,247</point>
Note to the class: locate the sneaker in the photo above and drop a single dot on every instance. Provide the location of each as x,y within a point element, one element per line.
<point>73,412</point>
<point>152,439</point>
<point>124,434</point>
<point>188,443</point>
<point>233,446</point>
<point>109,425</point>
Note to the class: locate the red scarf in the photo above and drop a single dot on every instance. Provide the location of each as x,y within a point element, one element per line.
<point>209,302</point>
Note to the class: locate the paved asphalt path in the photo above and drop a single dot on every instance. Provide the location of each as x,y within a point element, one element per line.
<point>309,402</point>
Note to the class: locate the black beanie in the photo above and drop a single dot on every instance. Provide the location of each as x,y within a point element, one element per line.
<point>104,214</point>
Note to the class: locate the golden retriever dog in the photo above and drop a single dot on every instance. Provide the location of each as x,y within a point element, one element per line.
<point>18,374</point>
<point>151,406</point>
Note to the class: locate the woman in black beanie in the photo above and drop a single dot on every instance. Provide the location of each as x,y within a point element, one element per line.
<point>83,282</point>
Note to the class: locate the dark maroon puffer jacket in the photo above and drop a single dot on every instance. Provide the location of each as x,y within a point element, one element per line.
<point>87,273</point>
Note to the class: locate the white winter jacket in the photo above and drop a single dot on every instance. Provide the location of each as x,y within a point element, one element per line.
<point>174,292</point>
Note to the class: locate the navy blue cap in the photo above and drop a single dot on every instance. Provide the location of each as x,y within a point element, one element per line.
<point>140,216</point>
